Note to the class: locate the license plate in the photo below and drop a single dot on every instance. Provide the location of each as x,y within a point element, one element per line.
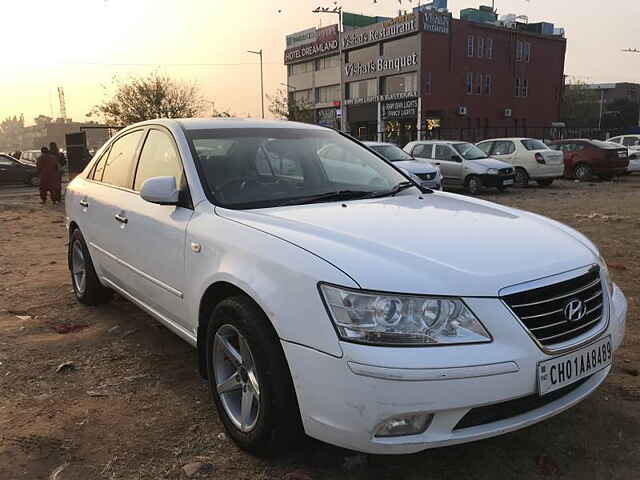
<point>564,370</point>
<point>507,182</point>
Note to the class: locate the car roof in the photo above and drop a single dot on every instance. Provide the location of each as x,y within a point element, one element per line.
<point>507,138</point>
<point>430,142</point>
<point>219,123</point>
<point>379,144</point>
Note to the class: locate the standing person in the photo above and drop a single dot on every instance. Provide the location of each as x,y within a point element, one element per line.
<point>49,174</point>
<point>61,161</point>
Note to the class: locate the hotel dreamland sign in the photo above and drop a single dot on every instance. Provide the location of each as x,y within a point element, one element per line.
<point>302,38</point>
<point>326,41</point>
<point>377,32</point>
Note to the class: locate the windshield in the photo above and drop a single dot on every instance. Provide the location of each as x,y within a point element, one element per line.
<point>469,151</point>
<point>532,144</point>
<point>267,167</point>
<point>391,153</point>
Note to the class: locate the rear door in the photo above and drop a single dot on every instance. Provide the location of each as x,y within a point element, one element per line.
<point>153,246</point>
<point>10,170</point>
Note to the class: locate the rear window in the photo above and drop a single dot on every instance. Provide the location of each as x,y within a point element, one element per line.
<point>532,144</point>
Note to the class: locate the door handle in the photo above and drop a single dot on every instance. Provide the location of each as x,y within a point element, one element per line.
<point>84,203</point>
<point>121,218</point>
<point>437,163</point>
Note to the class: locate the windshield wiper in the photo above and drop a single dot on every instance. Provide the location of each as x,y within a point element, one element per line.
<point>326,197</point>
<point>394,191</point>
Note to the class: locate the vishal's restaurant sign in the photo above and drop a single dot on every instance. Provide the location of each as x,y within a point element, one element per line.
<point>381,65</point>
<point>326,41</point>
<point>435,22</point>
<point>380,31</point>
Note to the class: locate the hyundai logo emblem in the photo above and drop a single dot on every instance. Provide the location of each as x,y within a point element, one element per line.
<point>575,310</point>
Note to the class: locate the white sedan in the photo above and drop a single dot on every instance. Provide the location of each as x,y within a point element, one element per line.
<point>532,159</point>
<point>359,310</point>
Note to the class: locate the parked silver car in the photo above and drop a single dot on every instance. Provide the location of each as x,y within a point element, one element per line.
<point>464,164</point>
<point>426,173</point>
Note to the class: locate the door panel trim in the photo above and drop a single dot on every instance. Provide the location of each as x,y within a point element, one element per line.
<point>146,276</point>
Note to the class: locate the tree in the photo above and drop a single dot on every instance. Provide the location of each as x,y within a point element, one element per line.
<point>11,130</point>
<point>580,105</point>
<point>146,98</point>
<point>284,107</point>
<point>621,113</point>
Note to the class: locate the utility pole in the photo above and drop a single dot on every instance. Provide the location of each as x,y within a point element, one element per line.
<point>343,109</point>
<point>634,50</point>
<point>259,53</point>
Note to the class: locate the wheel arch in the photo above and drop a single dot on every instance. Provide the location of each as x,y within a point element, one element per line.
<point>212,296</point>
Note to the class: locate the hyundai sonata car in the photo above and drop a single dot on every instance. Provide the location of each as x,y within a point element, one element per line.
<point>326,294</point>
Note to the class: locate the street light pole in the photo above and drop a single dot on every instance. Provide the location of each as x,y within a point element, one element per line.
<point>343,110</point>
<point>259,53</point>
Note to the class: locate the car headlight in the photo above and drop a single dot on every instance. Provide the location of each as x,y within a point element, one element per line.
<point>388,319</point>
<point>604,271</point>
<point>493,171</point>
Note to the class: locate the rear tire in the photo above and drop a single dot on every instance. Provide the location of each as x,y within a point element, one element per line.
<point>34,181</point>
<point>546,182</point>
<point>582,172</point>
<point>521,178</point>
<point>242,344</point>
<point>473,184</point>
<point>86,285</point>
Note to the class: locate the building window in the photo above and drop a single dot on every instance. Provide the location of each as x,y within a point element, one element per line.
<point>470,46</point>
<point>400,83</point>
<point>327,62</point>
<point>526,52</point>
<point>524,89</point>
<point>328,94</point>
<point>427,83</point>
<point>362,89</point>
<point>469,83</point>
<point>516,87</point>
<point>299,68</point>
<point>488,80</point>
<point>480,47</point>
<point>489,51</point>
<point>301,97</point>
<point>519,50</point>
<point>478,84</point>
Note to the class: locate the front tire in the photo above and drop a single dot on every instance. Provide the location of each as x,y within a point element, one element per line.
<point>34,181</point>
<point>474,184</point>
<point>86,285</point>
<point>249,378</point>
<point>521,178</point>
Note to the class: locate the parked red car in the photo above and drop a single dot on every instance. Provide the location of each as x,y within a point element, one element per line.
<point>584,158</point>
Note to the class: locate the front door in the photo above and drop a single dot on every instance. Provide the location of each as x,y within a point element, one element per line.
<point>10,171</point>
<point>450,163</point>
<point>156,234</point>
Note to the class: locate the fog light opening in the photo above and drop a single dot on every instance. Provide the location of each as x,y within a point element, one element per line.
<point>406,424</point>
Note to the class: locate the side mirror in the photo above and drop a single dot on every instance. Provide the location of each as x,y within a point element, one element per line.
<point>455,158</point>
<point>160,190</point>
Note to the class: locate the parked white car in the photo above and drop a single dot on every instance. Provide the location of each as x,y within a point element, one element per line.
<point>463,164</point>
<point>632,142</point>
<point>30,156</point>
<point>532,159</point>
<point>369,315</point>
<point>427,175</point>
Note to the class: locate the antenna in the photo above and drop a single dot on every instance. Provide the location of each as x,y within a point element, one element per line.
<point>63,106</point>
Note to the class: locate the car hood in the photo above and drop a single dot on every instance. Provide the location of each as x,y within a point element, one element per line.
<point>414,166</point>
<point>439,243</point>
<point>490,163</point>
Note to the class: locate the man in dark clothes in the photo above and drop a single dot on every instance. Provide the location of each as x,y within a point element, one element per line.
<point>49,172</point>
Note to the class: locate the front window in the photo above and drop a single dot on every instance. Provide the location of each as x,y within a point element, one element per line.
<point>269,167</point>
<point>362,89</point>
<point>328,94</point>
<point>391,152</point>
<point>469,151</point>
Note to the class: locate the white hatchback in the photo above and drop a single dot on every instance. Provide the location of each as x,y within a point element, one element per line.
<point>532,159</point>
<point>327,294</point>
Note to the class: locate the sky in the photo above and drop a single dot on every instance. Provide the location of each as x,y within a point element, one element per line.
<point>82,45</point>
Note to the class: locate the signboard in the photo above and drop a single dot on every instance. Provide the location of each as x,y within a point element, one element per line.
<point>435,22</point>
<point>400,109</point>
<point>326,41</point>
<point>381,98</point>
<point>327,116</point>
<point>386,30</point>
<point>381,65</point>
<point>302,38</point>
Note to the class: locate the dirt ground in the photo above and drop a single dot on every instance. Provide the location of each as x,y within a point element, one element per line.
<point>132,406</point>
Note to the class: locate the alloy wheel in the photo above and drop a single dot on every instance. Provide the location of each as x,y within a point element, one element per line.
<point>236,379</point>
<point>521,178</point>
<point>78,267</point>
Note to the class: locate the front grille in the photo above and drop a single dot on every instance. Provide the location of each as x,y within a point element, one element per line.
<point>506,171</point>
<point>426,176</point>
<point>512,408</point>
<point>542,310</point>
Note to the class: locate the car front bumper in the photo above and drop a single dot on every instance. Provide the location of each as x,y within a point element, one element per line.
<point>343,400</point>
<point>497,180</point>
